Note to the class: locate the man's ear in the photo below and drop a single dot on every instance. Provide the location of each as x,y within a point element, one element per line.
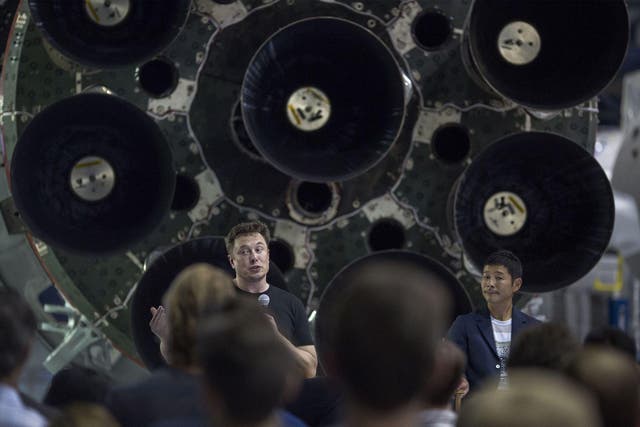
<point>231,261</point>
<point>517,283</point>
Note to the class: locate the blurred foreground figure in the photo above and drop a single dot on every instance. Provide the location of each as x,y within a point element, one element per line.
<point>381,343</point>
<point>534,398</point>
<point>17,330</point>
<point>85,414</point>
<point>546,345</point>
<point>612,377</point>
<point>247,367</point>
<point>610,336</point>
<point>448,372</point>
<point>173,395</point>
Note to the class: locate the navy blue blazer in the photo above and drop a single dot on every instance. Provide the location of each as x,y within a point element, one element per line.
<point>473,333</point>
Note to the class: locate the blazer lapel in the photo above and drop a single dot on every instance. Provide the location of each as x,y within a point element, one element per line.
<point>486,330</point>
<point>519,321</point>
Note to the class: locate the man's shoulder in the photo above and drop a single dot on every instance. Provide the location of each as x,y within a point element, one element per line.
<point>524,317</point>
<point>472,316</point>
<point>278,291</point>
<point>283,295</point>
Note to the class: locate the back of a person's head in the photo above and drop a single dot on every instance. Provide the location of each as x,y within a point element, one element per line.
<point>507,259</point>
<point>546,345</point>
<point>83,415</point>
<point>533,398</point>
<point>197,288</point>
<point>17,329</point>
<point>612,377</point>
<point>77,384</point>
<point>385,330</point>
<point>245,365</point>
<point>609,336</point>
<point>448,369</point>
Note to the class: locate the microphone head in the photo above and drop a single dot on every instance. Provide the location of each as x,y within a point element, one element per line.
<point>264,300</point>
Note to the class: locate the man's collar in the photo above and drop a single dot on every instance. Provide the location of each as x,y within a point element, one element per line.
<point>235,283</point>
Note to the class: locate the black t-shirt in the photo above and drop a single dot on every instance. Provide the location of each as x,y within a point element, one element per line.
<point>289,313</point>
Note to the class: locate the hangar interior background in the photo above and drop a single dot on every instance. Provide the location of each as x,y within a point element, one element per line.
<point>439,130</point>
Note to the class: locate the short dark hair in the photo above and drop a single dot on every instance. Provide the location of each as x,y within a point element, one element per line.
<point>609,336</point>
<point>246,228</point>
<point>77,384</point>
<point>17,328</point>
<point>507,259</point>
<point>547,345</point>
<point>383,335</point>
<point>243,360</point>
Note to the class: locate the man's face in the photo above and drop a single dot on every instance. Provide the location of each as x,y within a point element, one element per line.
<point>497,284</point>
<point>250,257</point>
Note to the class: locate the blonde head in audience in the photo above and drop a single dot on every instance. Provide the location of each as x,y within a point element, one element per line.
<point>612,377</point>
<point>84,414</point>
<point>534,398</point>
<point>196,288</point>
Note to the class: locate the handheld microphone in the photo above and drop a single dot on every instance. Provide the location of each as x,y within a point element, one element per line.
<point>264,300</point>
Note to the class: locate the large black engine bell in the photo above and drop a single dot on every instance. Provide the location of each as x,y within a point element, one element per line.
<point>92,174</point>
<point>547,54</point>
<point>109,34</point>
<point>541,196</point>
<point>323,99</point>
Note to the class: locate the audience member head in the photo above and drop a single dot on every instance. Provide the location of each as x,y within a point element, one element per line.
<point>610,336</point>
<point>196,288</point>
<point>448,369</point>
<point>246,228</point>
<point>383,333</point>
<point>507,259</point>
<point>85,414</point>
<point>613,379</point>
<point>246,366</point>
<point>546,345</point>
<point>533,398</point>
<point>77,384</point>
<point>17,329</point>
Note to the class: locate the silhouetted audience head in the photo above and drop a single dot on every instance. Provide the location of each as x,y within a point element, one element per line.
<point>246,366</point>
<point>17,330</point>
<point>534,398</point>
<point>613,378</point>
<point>448,369</point>
<point>383,333</point>
<point>610,336</point>
<point>198,287</point>
<point>83,415</point>
<point>546,345</point>
<point>77,384</point>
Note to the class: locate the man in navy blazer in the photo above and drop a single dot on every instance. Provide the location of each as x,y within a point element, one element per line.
<point>485,335</point>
